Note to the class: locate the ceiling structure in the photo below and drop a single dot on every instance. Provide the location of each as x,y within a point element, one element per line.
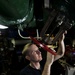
<point>14,12</point>
<point>32,13</point>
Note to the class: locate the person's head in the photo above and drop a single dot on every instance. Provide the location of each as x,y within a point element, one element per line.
<point>32,53</point>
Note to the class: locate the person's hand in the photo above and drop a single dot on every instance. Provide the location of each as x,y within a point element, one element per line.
<point>63,36</point>
<point>50,58</point>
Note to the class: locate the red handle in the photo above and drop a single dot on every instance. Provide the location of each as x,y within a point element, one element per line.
<point>43,46</point>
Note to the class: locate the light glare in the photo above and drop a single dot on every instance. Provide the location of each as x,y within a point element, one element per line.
<point>3,27</point>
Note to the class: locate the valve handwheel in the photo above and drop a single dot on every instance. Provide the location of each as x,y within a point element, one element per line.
<point>43,46</point>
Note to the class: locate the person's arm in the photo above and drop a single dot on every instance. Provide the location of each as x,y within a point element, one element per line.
<point>61,48</point>
<point>48,64</point>
<point>51,58</point>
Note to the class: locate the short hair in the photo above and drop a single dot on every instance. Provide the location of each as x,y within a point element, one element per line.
<point>26,49</point>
